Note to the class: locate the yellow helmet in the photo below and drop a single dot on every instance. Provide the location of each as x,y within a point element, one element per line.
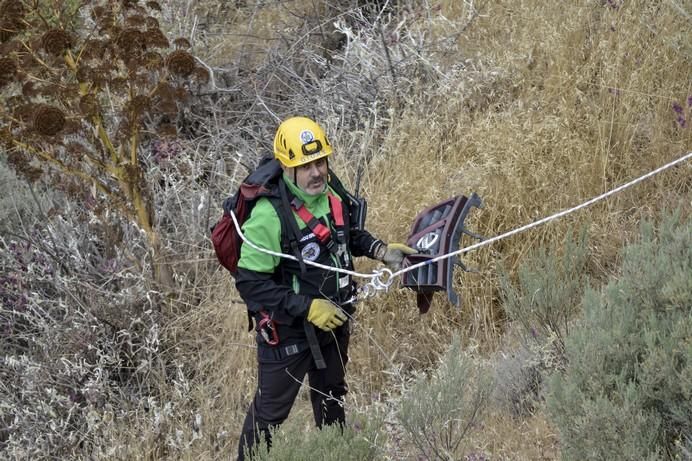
<point>300,140</point>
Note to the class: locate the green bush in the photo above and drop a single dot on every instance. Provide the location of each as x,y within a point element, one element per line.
<point>542,303</point>
<point>546,297</point>
<point>438,413</point>
<point>626,392</point>
<point>361,439</point>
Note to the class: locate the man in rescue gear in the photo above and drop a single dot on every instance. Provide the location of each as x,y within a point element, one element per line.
<point>301,311</point>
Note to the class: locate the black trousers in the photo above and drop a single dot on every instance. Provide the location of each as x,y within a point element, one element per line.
<point>281,371</point>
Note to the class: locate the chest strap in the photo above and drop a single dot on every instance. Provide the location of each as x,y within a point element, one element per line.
<point>316,226</point>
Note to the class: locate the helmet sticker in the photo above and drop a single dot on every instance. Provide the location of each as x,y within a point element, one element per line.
<point>311,251</point>
<point>306,136</point>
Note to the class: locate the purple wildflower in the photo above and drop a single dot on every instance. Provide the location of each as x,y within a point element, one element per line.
<point>689,101</point>
<point>677,108</point>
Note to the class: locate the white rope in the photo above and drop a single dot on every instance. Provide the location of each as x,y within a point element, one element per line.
<point>546,219</point>
<point>293,258</point>
<point>378,283</point>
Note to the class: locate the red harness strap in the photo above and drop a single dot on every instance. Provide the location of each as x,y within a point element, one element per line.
<point>320,230</point>
<point>337,210</point>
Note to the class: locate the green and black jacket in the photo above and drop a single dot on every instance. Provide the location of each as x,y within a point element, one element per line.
<point>284,288</point>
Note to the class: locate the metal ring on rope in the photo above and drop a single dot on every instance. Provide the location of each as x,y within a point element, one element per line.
<point>378,283</point>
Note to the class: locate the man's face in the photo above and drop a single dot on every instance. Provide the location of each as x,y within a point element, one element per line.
<point>311,178</point>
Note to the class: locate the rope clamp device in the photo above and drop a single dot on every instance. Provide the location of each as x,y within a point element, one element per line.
<point>376,283</point>
<point>437,231</point>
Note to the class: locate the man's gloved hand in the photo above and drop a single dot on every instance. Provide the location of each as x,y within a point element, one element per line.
<point>395,254</point>
<point>325,315</point>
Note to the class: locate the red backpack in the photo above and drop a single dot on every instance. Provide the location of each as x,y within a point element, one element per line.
<point>224,234</point>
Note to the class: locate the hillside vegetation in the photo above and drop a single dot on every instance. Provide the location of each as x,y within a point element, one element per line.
<point>122,337</point>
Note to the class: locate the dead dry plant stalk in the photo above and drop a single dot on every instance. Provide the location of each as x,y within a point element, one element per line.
<point>97,81</point>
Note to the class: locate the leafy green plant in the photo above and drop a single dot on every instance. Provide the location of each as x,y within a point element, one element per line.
<point>542,303</point>
<point>626,391</point>
<point>439,412</point>
<point>549,287</point>
<point>361,439</point>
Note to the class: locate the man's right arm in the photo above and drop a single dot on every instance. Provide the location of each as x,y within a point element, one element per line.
<point>254,279</point>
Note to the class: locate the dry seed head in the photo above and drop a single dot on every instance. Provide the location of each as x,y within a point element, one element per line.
<point>72,127</point>
<point>9,27</point>
<point>182,42</point>
<point>152,22</point>
<point>29,89</point>
<point>181,93</point>
<point>6,32</point>
<point>154,6</point>
<point>124,129</point>
<point>55,41</point>
<point>135,21</point>
<point>180,63</point>
<point>164,91</point>
<point>8,48</point>
<point>98,75</point>
<point>48,120</point>
<point>98,12</point>
<point>12,9</point>
<point>131,41</point>
<point>92,49</point>
<point>129,4</point>
<point>167,106</point>
<point>153,60</point>
<point>12,12</point>
<point>8,70</point>
<point>138,105</point>
<point>156,38</point>
<point>201,75</point>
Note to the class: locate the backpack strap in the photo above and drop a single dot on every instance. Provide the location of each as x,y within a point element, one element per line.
<point>321,231</point>
<point>356,207</point>
<point>290,225</point>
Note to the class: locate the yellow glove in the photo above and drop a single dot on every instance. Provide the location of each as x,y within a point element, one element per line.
<point>325,315</point>
<point>395,254</point>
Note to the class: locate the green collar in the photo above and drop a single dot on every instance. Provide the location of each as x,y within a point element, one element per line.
<point>308,200</point>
